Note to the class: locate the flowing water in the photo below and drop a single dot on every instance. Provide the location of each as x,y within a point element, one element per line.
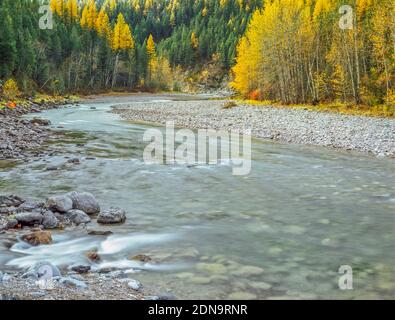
<point>282,231</point>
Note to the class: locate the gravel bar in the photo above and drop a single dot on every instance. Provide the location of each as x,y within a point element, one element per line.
<point>359,133</point>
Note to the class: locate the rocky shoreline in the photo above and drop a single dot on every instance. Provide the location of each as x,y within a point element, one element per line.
<point>375,136</point>
<point>20,138</point>
<point>33,222</point>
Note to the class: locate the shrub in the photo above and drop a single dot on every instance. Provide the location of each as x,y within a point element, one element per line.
<point>255,95</point>
<point>10,89</point>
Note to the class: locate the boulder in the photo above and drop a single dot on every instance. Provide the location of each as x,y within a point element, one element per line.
<point>49,220</point>
<point>11,201</point>
<point>112,216</point>
<point>84,201</point>
<point>40,122</point>
<point>42,269</point>
<point>29,218</point>
<point>81,269</point>
<point>37,238</point>
<point>11,224</point>
<point>60,204</point>
<point>77,216</point>
<point>29,206</point>
<point>93,255</point>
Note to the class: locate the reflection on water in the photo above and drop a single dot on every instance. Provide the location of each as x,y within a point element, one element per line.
<point>282,231</point>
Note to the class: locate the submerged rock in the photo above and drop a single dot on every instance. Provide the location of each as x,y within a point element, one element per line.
<point>77,216</point>
<point>248,271</point>
<point>99,233</point>
<point>93,255</point>
<point>29,206</point>
<point>74,161</point>
<point>40,122</point>
<point>60,204</point>
<point>112,216</point>
<point>242,296</point>
<point>37,238</point>
<point>81,269</point>
<point>84,201</point>
<point>142,258</point>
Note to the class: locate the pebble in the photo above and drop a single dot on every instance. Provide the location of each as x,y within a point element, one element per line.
<point>69,281</point>
<point>135,285</point>
<point>216,268</point>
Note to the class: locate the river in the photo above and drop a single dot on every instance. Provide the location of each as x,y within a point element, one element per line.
<point>282,231</point>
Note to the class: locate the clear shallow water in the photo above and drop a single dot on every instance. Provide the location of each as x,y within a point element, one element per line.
<point>301,214</point>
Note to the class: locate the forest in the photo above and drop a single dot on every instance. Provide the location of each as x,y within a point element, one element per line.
<point>115,44</point>
<point>289,51</point>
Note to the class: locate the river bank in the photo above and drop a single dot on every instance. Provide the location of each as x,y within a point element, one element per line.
<point>27,224</point>
<point>364,134</point>
<point>21,138</point>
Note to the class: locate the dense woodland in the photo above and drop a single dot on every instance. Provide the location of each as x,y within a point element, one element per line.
<point>295,51</point>
<point>129,44</point>
<point>291,51</point>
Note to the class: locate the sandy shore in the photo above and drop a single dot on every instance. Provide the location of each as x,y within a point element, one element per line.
<point>364,134</point>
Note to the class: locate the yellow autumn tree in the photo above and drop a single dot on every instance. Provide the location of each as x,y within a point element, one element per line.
<point>72,10</point>
<point>151,54</point>
<point>122,36</point>
<point>122,41</point>
<point>89,15</point>
<point>103,26</point>
<point>58,7</point>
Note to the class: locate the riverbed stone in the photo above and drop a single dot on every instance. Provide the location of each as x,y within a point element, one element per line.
<point>30,205</point>
<point>135,285</point>
<point>215,268</point>
<point>112,216</point>
<point>37,238</point>
<point>200,280</point>
<point>11,201</point>
<point>260,285</point>
<point>81,269</point>
<point>29,218</point>
<point>41,269</point>
<point>40,122</point>
<point>84,201</point>
<point>60,204</point>
<point>93,255</point>
<point>77,216</point>
<point>242,296</point>
<point>49,220</point>
<point>142,258</point>
<point>247,271</point>
<point>74,283</point>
